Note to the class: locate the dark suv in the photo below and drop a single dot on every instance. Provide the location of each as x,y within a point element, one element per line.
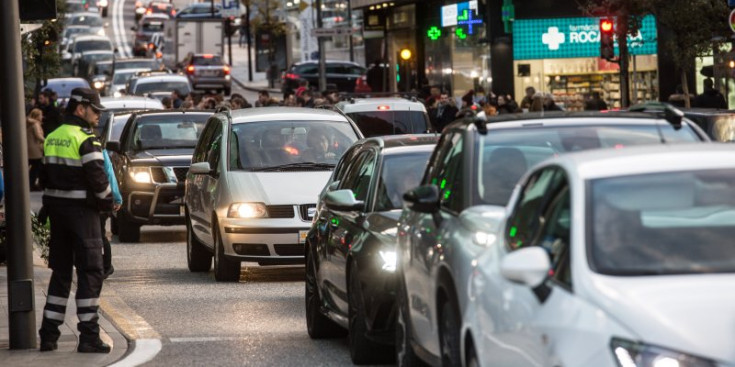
<point>207,71</point>
<point>151,162</point>
<point>341,75</point>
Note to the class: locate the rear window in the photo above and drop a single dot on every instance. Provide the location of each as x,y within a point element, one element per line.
<point>143,88</point>
<point>162,132</point>
<point>91,21</point>
<point>306,69</point>
<point>152,26</point>
<point>207,60</point>
<point>377,123</point>
<point>92,46</point>
<point>63,89</point>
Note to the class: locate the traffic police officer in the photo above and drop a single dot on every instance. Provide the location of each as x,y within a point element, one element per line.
<point>76,190</point>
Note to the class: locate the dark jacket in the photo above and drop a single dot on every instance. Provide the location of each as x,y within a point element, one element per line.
<point>51,118</point>
<point>711,98</point>
<point>74,171</point>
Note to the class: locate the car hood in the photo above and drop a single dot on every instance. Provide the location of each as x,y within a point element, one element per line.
<point>277,188</point>
<point>688,313</point>
<point>162,157</point>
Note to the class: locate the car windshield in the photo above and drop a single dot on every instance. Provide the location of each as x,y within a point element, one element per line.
<point>663,223</point>
<point>377,123</point>
<point>92,21</point>
<point>289,145</point>
<point>207,60</point>
<point>64,88</point>
<point>136,64</point>
<point>97,57</point>
<point>168,132</point>
<point>122,77</point>
<point>506,154</point>
<point>152,26</point>
<point>144,88</point>
<point>92,46</point>
<point>399,174</point>
<point>77,30</point>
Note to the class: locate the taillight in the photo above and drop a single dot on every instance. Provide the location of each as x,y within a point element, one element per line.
<point>190,69</point>
<point>291,76</point>
<point>227,70</point>
<point>173,12</point>
<point>149,11</point>
<point>151,46</point>
<point>383,108</point>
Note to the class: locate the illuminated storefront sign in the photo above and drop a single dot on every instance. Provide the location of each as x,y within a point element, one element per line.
<point>573,37</point>
<point>464,14</point>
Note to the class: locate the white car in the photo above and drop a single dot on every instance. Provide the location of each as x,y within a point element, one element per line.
<point>387,116</point>
<point>610,258</point>
<point>252,187</point>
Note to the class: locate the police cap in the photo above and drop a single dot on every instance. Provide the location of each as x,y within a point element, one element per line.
<point>86,96</point>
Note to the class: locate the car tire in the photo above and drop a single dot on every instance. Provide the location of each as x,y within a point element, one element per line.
<point>405,356</point>
<point>198,258</point>
<point>449,340</point>
<point>472,357</point>
<point>362,349</point>
<point>225,270</point>
<point>127,231</point>
<point>317,324</point>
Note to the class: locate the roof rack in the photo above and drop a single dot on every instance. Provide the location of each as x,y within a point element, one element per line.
<point>670,113</point>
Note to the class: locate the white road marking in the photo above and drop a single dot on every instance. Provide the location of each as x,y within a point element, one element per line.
<point>203,339</point>
<point>144,350</point>
<point>118,24</point>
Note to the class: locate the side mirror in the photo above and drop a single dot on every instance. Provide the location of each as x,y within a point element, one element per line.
<point>116,51</point>
<point>343,200</point>
<point>528,266</point>
<point>113,146</point>
<point>424,199</point>
<point>200,168</point>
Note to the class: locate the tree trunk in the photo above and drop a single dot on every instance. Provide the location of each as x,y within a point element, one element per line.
<point>685,89</point>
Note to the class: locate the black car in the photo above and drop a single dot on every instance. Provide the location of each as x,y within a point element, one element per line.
<point>341,75</point>
<point>150,162</point>
<point>718,124</point>
<point>350,249</point>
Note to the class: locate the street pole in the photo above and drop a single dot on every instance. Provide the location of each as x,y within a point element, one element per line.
<point>622,33</point>
<point>322,57</point>
<point>352,45</point>
<point>21,305</point>
<point>247,35</point>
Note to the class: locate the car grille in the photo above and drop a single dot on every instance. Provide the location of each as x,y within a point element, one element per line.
<point>159,174</point>
<point>304,211</point>
<point>280,211</point>
<point>289,249</point>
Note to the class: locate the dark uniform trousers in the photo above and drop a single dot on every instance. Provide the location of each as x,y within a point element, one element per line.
<point>75,241</point>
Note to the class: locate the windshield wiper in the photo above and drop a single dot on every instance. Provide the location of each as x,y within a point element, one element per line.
<point>290,166</point>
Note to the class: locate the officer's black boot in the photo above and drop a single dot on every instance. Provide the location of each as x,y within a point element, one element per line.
<point>93,346</point>
<point>47,345</point>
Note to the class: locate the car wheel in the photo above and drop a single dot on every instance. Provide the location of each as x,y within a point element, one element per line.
<point>127,230</point>
<point>225,270</point>
<point>362,349</point>
<point>449,334</point>
<point>318,325</point>
<point>472,357</point>
<point>405,355</point>
<point>198,258</point>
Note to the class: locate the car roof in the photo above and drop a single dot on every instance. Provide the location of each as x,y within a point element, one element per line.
<point>65,80</point>
<point>535,119</point>
<point>92,52</point>
<point>173,112</point>
<point>284,113</point>
<point>161,78</point>
<point>370,104</point>
<point>601,163</point>
<point>85,14</point>
<point>90,37</point>
<point>328,62</point>
<point>157,16</point>
<point>402,140</point>
<point>130,102</point>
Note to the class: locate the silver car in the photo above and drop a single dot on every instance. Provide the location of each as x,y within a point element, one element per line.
<point>252,187</point>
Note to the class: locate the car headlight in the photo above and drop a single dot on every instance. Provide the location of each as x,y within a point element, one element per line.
<point>247,210</point>
<point>101,32</point>
<point>633,354</point>
<point>98,85</point>
<point>389,260</point>
<point>117,94</point>
<point>102,3</point>
<point>140,174</point>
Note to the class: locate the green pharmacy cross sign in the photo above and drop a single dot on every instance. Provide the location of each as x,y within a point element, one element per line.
<point>573,37</point>
<point>434,33</point>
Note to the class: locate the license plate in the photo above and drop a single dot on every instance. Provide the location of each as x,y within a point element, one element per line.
<point>302,236</point>
<point>181,210</point>
<point>209,72</point>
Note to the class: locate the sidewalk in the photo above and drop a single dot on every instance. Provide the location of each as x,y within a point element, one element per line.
<point>240,70</point>
<point>66,355</point>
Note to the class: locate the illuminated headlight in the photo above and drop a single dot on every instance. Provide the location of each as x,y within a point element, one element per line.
<point>98,85</point>
<point>247,210</point>
<point>389,260</point>
<point>140,174</point>
<point>632,354</point>
<point>140,10</point>
<point>102,3</point>
<point>227,77</point>
<point>484,238</point>
<point>101,32</point>
<point>117,94</point>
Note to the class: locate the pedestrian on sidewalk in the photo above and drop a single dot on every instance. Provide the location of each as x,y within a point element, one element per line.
<point>34,136</point>
<point>243,29</point>
<point>76,191</point>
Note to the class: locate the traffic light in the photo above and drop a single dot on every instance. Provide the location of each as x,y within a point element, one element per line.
<point>405,54</point>
<point>607,39</point>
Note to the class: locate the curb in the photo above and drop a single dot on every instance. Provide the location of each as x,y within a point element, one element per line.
<point>254,89</point>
